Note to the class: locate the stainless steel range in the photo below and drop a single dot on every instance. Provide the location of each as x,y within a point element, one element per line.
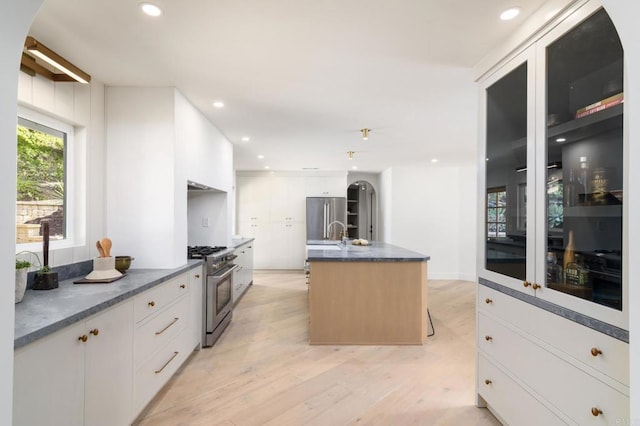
<point>217,302</point>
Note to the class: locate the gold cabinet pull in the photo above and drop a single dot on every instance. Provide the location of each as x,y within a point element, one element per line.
<point>536,286</point>
<point>487,382</point>
<point>596,351</point>
<point>526,284</point>
<point>488,301</point>
<point>183,286</point>
<point>488,338</point>
<point>152,304</point>
<point>596,411</point>
<point>175,320</point>
<point>175,354</point>
<point>197,275</point>
<point>95,332</point>
<point>83,338</point>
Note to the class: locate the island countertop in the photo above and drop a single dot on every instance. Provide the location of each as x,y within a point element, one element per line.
<point>376,251</point>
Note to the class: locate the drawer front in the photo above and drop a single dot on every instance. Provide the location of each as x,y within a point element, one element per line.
<point>153,334</point>
<point>157,298</point>
<point>154,373</point>
<point>509,401</point>
<point>558,381</point>
<point>597,350</point>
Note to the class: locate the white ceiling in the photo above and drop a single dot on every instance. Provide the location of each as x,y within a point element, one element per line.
<point>300,78</point>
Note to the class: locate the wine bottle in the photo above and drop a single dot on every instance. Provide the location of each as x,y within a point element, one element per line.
<point>573,191</point>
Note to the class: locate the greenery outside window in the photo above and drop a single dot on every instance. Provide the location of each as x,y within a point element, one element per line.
<point>496,212</point>
<point>43,172</point>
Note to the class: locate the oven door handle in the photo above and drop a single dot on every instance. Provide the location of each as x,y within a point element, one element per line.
<point>225,274</point>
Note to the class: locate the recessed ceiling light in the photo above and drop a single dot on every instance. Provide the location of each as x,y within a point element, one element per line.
<point>561,140</point>
<point>266,167</point>
<point>218,104</point>
<point>260,157</point>
<point>434,160</point>
<point>354,168</point>
<point>246,139</point>
<point>150,9</point>
<point>510,13</point>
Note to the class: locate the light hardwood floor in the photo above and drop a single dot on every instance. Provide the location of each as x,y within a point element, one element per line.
<point>262,371</point>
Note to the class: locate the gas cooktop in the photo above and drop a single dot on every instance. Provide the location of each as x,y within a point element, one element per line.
<point>200,252</point>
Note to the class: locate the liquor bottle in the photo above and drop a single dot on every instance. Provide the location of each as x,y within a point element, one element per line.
<point>577,273</point>
<point>569,255</point>
<point>573,191</point>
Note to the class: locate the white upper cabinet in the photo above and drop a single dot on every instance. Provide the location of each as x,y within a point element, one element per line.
<point>552,167</point>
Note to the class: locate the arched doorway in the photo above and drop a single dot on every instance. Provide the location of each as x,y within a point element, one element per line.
<point>362,210</point>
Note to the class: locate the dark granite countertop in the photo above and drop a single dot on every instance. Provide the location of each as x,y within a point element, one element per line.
<point>43,312</point>
<point>237,242</point>
<point>375,252</point>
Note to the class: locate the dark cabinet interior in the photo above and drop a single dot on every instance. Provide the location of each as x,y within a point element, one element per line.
<point>584,139</point>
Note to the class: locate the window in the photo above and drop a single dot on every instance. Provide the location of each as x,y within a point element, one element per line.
<point>496,217</point>
<point>42,177</point>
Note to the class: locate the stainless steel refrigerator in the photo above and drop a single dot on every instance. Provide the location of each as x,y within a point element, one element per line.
<point>321,212</point>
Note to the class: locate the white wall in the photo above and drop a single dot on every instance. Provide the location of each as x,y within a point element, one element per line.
<point>156,141</point>
<point>432,209</point>
<point>210,208</point>
<point>140,171</point>
<point>15,19</point>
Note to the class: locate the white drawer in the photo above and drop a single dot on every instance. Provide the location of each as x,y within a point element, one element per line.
<point>155,299</point>
<point>504,396</point>
<point>154,373</point>
<point>157,332</point>
<point>570,389</point>
<point>569,337</point>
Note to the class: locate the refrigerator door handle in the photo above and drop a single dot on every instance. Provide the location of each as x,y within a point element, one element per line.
<point>324,221</point>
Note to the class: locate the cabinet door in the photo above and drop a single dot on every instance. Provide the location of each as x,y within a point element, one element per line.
<point>48,380</point>
<point>326,186</point>
<point>508,133</point>
<point>109,367</point>
<point>253,199</point>
<point>582,60</point>
<point>196,277</point>
<point>287,199</point>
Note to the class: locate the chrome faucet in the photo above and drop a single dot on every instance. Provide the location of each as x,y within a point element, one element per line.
<point>343,234</point>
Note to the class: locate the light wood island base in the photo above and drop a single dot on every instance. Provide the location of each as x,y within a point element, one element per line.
<point>368,303</point>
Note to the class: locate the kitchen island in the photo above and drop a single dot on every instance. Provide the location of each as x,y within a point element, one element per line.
<point>366,295</point>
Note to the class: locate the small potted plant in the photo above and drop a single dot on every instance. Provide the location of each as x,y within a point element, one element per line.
<point>21,278</point>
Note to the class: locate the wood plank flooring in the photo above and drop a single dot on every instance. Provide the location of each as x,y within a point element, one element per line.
<point>262,371</point>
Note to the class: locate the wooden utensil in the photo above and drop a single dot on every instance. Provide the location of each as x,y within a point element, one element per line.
<point>106,246</point>
<point>100,250</point>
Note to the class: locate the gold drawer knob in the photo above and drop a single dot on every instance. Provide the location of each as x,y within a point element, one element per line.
<point>95,332</point>
<point>83,338</point>
<point>596,351</point>
<point>487,382</point>
<point>488,338</point>
<point>536,286</point>
<point>526,284</point>
<point>596,411</point>
<point>152,304</point>
<point>183,286</point>
<point>488,301</point>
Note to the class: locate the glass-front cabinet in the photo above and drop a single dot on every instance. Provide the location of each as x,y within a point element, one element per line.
<point>554,169</point>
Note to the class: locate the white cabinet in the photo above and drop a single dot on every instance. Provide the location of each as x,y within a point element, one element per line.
<point>105,369</point>
<point>243,275</point>
<point>163,340</point>
<point>552,308</point>
<point>79,375</point>
<point>326,186</point>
